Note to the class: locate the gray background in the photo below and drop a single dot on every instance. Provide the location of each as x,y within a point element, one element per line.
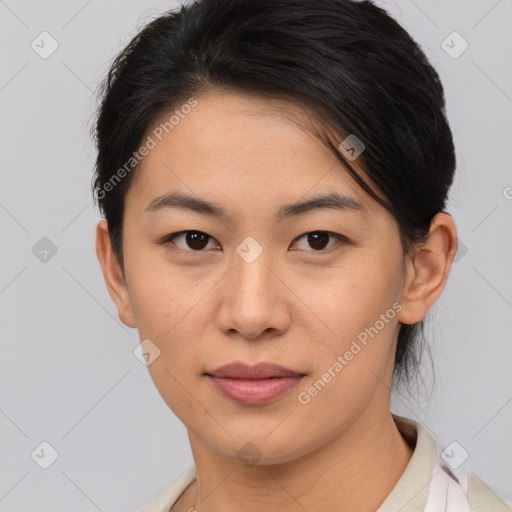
<point>67,369</point>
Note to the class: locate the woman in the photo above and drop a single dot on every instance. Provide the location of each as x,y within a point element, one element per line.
<point>273,176</point>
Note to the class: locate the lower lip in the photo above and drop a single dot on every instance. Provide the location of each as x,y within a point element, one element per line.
<point>254,391</point>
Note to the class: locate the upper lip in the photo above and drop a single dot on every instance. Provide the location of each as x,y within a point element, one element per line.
<point>258,371</point>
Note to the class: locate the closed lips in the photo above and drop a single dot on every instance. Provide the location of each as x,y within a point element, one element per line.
<point>263,370</point>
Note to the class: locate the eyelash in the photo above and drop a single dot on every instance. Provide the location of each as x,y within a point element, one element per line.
<point>340,238</point>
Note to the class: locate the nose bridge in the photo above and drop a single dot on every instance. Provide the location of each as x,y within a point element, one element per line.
<point>250,301</point>
<point>251,272</point>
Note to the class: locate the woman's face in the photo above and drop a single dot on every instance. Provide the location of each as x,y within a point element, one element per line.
<point>254,287</point>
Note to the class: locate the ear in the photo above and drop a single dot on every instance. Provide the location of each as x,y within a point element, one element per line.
<point>428,268</point>
<point>113,275</point>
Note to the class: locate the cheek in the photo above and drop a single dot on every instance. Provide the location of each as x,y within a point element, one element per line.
<point>159,295</point>
<point>171,317</point>
<point>173,314</point>
<point>356,299</point>
<point>360,309</point>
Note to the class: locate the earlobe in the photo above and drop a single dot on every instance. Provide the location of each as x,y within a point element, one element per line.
<point>113,275</point>
<point>428,268</point>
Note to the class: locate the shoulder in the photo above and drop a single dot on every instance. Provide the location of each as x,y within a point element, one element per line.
<point>442,487</point>
<point>483,498</point>
<point>168,497</point>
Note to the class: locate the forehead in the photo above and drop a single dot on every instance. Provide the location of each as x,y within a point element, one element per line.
<point>239,150</point>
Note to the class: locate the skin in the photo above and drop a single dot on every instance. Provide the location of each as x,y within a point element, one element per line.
<point>294,305</point>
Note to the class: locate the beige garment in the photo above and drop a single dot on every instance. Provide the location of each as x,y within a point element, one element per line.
<point>411,493</point>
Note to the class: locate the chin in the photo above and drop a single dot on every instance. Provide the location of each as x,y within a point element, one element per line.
<point>257,446</point>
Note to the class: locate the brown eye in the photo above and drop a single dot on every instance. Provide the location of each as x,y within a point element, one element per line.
<point>193,240</point>
<point>319,240</point>
<point>196,240</point>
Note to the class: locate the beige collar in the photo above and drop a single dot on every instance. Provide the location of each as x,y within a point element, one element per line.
<point>411,491</point>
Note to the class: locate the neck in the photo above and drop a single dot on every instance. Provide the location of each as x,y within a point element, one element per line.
<point>354,471</point>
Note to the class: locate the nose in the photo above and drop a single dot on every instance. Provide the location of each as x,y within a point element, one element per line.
<point>253,299</point>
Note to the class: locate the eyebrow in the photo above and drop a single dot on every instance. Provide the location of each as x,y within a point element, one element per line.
<point>331,200</point>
